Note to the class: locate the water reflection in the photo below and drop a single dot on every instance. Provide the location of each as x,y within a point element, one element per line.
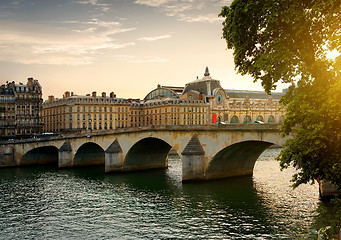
<point>50,203</point>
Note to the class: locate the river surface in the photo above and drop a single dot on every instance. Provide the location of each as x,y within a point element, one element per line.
<point>85,203</point>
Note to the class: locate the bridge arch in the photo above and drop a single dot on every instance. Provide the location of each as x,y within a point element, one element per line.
<point>236,160</point>
<point>89,154</point>
<point>41,156</point>
<point>147,153</point>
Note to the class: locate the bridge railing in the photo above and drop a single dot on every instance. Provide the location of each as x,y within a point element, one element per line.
<point>210,127</point>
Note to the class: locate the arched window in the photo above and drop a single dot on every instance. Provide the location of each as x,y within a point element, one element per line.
<point>160,93</point>
<point>234,119</point>
<point>219,119</point>
<point>260,118</point>
<point>271,119</point>
<point>247,119</point>
<point>281,119</point>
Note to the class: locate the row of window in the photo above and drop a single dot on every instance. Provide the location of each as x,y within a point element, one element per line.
<point>247,119</point>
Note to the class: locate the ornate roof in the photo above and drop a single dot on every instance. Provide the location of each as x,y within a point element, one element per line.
<point>204,85</point>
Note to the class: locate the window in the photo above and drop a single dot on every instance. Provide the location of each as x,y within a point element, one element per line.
<point>234,119</point>
<point>260,118</point>
<point>271,119</point>
<point>281,119</point>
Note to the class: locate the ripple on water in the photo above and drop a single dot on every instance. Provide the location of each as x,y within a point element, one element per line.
<point>85,203</point>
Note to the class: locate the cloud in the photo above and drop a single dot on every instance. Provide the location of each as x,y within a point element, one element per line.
<point>153,3</point>
<point>205,11</point>
<point>103,6</point>
<point>210,18</point>
<point>135,59</point>
<point>104,28</point>
<point>39,44</point>
<point>154,38</point>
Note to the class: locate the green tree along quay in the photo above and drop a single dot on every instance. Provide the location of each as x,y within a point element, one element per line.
<point>290,41</point>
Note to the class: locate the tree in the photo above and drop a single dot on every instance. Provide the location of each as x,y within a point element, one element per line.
<point>290,41</point>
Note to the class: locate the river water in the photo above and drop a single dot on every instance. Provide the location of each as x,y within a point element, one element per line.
<point>85,203</point>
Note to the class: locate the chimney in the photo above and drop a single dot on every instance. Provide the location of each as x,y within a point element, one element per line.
<point>66,94</point>
<point>88,95</point>
<point>94,94</point>
<point>138,100</point>
<point>29,81</point>
<point>104,94</point>
<point>50,98</point>
<point>112,95</point>
<point>71,93</point>
<point>130,100</point>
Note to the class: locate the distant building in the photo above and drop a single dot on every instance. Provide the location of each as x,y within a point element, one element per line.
<point>222,105</point>
<point>235,106</point>
<point>202,101</point>
<point>74,113</point>
<point>20,109</point>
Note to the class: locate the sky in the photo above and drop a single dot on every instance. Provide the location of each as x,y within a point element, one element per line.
<point>122,46</point>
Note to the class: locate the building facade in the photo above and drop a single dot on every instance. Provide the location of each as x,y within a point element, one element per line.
<point>202,101</point>
<point>20,109</point>
<point>74,113</point>
<point>235,106</point>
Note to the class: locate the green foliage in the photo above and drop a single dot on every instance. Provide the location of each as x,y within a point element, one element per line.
<point>330,216</point>
<point>289,41</point>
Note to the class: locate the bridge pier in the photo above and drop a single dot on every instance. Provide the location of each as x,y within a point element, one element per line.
<point>193,161</point>
<point>114,158</point>
<point>7,156</point>
<point>65,156</point>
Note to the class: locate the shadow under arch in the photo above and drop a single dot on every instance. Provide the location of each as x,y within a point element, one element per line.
<point>148,153</point>
<point>89,154</point>
<point>236,160</point>
<point>40,156</point>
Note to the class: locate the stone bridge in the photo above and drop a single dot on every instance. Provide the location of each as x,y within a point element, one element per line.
<point>207,152</point>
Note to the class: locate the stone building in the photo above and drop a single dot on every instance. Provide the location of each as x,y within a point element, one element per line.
<point>202,101</point>
<point>235,106</point>
<point>219,105</point>
<point>74,113</point>
<point>91,112</point>
<point>20,109</point>
<point>7,112</point>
